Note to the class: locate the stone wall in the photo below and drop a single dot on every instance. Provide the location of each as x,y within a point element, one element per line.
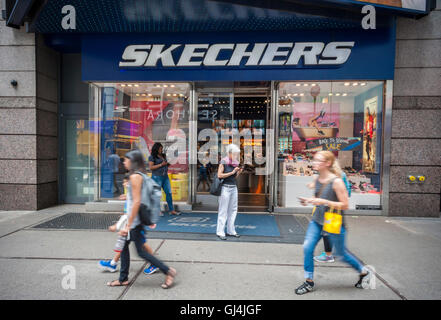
<point>416,117</point>
<point>28,117</point>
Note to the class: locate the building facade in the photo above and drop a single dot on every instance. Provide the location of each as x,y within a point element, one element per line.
<point>290,81</point>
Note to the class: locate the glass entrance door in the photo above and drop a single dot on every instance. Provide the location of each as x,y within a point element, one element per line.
<point>236,114</point>
<point>215,111</point>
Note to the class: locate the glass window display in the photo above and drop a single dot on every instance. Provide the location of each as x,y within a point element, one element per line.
<point>342,117</point>
<point>136,115</point>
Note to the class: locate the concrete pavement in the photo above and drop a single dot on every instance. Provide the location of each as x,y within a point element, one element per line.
<point>404,253</point>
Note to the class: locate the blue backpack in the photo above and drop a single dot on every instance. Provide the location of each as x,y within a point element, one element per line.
<point>345,180</point>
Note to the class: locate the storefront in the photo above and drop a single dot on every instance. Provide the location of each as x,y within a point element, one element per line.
<point>280,95</point>
<point>283,79</point>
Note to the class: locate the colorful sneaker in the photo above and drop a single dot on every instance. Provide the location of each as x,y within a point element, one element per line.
<point>324,258</point>
<point>105,264</point>
<point>150,270</point>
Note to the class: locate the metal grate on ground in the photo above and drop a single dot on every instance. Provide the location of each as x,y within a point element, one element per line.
<point>81,221</point>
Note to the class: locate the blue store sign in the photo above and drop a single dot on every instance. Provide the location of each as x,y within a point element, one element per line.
<point>240,56</point>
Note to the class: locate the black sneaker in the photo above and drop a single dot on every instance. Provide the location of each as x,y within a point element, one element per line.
<point>363,282</point>
<point>304,288</point>
<point>233,235</point>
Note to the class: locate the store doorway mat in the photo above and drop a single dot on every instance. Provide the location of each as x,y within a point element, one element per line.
<point>195,226</point>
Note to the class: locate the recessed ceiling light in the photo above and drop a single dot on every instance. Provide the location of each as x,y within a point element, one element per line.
<point>123,85</point>
<point>313,85</point>
<point>129,85</point>
<point>137,94</point>
<point>305,85</point>
<point>165,86</point>
<point>302,94</point>
<point>355,84</point>
<point>136,85</point>
<point>172,86</point>
<point>298,84</point>
<point>158,86</point>
<point>363,83</point>
<point>149,94</point>
<point>330,94</point>
<point>337,94</point>
<point>347,84</point>
<point>345,94</point>
<point>168,94</point>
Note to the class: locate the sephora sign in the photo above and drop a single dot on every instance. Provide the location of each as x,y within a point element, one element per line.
<point>235,54</point>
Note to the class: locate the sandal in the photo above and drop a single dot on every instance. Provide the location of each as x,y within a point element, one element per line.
<point>117,283</point>
<point>169,279</point>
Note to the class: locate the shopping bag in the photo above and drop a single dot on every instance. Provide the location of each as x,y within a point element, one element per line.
<point>332,221</point>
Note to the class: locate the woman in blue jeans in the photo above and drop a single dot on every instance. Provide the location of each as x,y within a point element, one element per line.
<point>330,191</point>
<point>159,166</point>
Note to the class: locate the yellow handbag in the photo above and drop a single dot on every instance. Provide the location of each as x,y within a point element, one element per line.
<point>332,221</point>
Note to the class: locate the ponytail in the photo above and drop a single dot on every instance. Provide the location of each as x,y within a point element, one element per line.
<point>336,169</point>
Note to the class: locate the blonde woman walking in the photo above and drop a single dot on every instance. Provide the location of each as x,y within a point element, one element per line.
<point>330,192</point>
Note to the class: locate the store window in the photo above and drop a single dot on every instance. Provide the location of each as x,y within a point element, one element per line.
<point>77,180</point>
<point>342,117</point>
<point>136,115</point>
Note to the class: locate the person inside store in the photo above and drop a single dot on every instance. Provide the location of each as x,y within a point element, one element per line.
<point>330,192</point>
<point>229,169</point>
<point>204,173</point>
<point>112,165</point>
<point>159,166</point>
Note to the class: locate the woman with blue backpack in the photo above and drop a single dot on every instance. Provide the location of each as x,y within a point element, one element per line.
<point>134,162</point>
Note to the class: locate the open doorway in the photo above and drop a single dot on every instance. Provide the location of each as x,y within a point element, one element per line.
<point>244,108</point>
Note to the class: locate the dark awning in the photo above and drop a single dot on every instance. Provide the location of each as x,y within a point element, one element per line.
<point>127,16</point>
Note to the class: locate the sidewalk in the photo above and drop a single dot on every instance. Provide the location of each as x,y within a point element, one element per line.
<point>404,252</point>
